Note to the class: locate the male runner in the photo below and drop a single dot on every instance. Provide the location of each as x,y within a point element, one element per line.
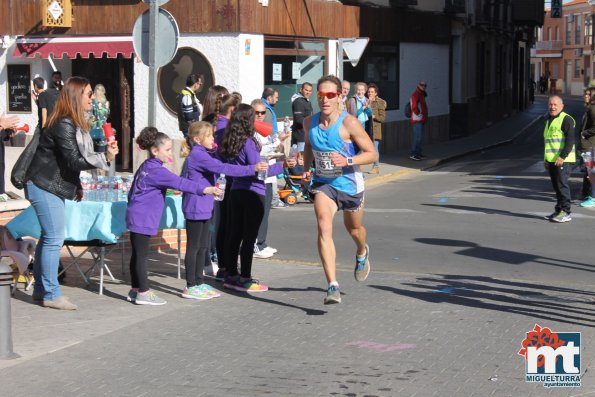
<point>338,181</point>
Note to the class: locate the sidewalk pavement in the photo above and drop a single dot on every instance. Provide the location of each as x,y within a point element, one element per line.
<point>40,332</point>
<point>396,165</point>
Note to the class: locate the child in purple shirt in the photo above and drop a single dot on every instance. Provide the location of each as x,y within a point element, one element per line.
<point>247,198</point>
<point>145,206</point>
<point>202,167</point>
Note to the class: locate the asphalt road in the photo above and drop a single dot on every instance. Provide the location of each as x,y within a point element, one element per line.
<point>482,214</point>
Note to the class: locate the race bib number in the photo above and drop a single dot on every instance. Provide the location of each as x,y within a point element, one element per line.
<point>324,165</point>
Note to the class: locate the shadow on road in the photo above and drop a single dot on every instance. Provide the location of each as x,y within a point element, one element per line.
<point>545,302</point>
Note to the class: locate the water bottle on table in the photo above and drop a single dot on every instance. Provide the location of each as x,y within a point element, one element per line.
<point>221,183</point>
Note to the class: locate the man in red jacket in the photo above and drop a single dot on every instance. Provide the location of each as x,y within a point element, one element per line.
<point>419,116</point>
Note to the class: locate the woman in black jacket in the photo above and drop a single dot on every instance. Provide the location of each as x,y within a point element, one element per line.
<point>65,148</point>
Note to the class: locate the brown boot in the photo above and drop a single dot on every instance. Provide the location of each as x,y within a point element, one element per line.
<point>60,303</point>
<point>375,170</point>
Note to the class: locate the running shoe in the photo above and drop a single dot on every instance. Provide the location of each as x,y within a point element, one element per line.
<point>211,270</point>
<point>212,292</point>
<point>362,266</point>
<point>261,253</point>
<point>149,298</point>
<point>562,217</point>
<point>588,202</point>
<point>550,216</point>
<point>250,285</point>
<point>231,282</point>
<point>333,295</point>
<point>197,292</point>
<point>131,297</point>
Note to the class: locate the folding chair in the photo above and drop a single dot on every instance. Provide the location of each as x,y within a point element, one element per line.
<point>97,249</point>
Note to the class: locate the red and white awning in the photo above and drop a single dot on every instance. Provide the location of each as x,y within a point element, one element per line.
<point>57,47</point>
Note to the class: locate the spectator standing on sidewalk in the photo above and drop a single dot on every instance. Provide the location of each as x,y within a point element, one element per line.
<point>559,156</point>
<point>345,88</point>
<point>48,99</point>
<point>190,108</point>
<point>270,97</point>
<point>358,105</point>
<point>338,182</point>
<point>419,117</point>
<point>301,107</point>
<point>247,199</point>
<point>267,145</point>
<point>586,142</point>
<point>378,106</point>
<point>586,129</point>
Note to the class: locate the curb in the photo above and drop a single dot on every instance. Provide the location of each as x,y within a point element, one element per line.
<point>390,177</point>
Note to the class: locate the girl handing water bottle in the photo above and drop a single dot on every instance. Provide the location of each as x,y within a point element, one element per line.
<point>202,167</point>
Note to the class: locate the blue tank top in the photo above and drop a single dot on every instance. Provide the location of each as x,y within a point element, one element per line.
<point>325,141</point>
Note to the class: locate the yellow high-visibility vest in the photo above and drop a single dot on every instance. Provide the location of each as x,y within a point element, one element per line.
<point>554,140</point>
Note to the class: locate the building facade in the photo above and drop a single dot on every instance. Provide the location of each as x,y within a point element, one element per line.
<point>562,53</point>
<point>473,54</point>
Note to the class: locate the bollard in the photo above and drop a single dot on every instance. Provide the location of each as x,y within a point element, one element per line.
<point>6,352</point>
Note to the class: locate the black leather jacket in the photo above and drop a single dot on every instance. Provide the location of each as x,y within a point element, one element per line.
<point>58,161</point>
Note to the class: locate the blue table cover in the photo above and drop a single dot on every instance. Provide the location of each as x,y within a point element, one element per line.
<point>91,220</point>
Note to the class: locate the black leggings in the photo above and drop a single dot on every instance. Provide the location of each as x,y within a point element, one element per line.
<point>197,236</point>
<point>138,261</point>
<point>246,212</point>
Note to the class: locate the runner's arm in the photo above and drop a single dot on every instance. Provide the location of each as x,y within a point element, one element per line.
<point>358,135</point>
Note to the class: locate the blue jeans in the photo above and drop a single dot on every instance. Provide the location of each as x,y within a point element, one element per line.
<point>376,144</point>
<point>50,213</point>
<point>418,130</point>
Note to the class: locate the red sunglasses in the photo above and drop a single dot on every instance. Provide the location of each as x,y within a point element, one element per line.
<point>328,94</point>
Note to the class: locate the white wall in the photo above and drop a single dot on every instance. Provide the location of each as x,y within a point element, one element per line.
<point>232,68</point>
<point>427,62</point>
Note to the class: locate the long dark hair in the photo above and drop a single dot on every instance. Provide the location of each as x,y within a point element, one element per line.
<point>69,103</point>
<point>238,131</point>
<point>215,92</point>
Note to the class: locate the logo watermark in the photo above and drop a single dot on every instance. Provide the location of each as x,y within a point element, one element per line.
<point>552,358</point>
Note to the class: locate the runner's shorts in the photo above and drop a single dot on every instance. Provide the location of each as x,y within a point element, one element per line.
<point>344,201</point>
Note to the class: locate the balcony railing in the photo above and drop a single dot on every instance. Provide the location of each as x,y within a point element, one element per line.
<point>549,45</point>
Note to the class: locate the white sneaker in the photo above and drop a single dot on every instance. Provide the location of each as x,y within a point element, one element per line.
<point>211,270</point>
<point>262,254</point>
<point>272,250</point>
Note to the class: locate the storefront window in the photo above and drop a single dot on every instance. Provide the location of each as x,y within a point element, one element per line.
<point>290,63</point>
<point>378,65</point>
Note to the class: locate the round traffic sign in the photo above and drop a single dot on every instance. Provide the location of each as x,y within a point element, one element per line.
<point>166,37</point>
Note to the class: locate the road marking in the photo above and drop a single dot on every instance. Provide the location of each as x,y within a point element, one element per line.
<point>390,177</point>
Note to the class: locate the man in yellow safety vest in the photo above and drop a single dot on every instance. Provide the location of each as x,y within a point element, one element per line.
<point>559,156</point>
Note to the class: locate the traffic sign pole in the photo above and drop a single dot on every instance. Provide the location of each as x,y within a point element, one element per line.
<point>153,10</point>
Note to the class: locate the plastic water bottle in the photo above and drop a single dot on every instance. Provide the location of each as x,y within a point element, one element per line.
<point>262,175</point>
<point>588,159</point>
<point>111,190</point>
<point>86,185</point>
<point>286,125</point>
<point>100,191</point>
<point>221,183</point>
